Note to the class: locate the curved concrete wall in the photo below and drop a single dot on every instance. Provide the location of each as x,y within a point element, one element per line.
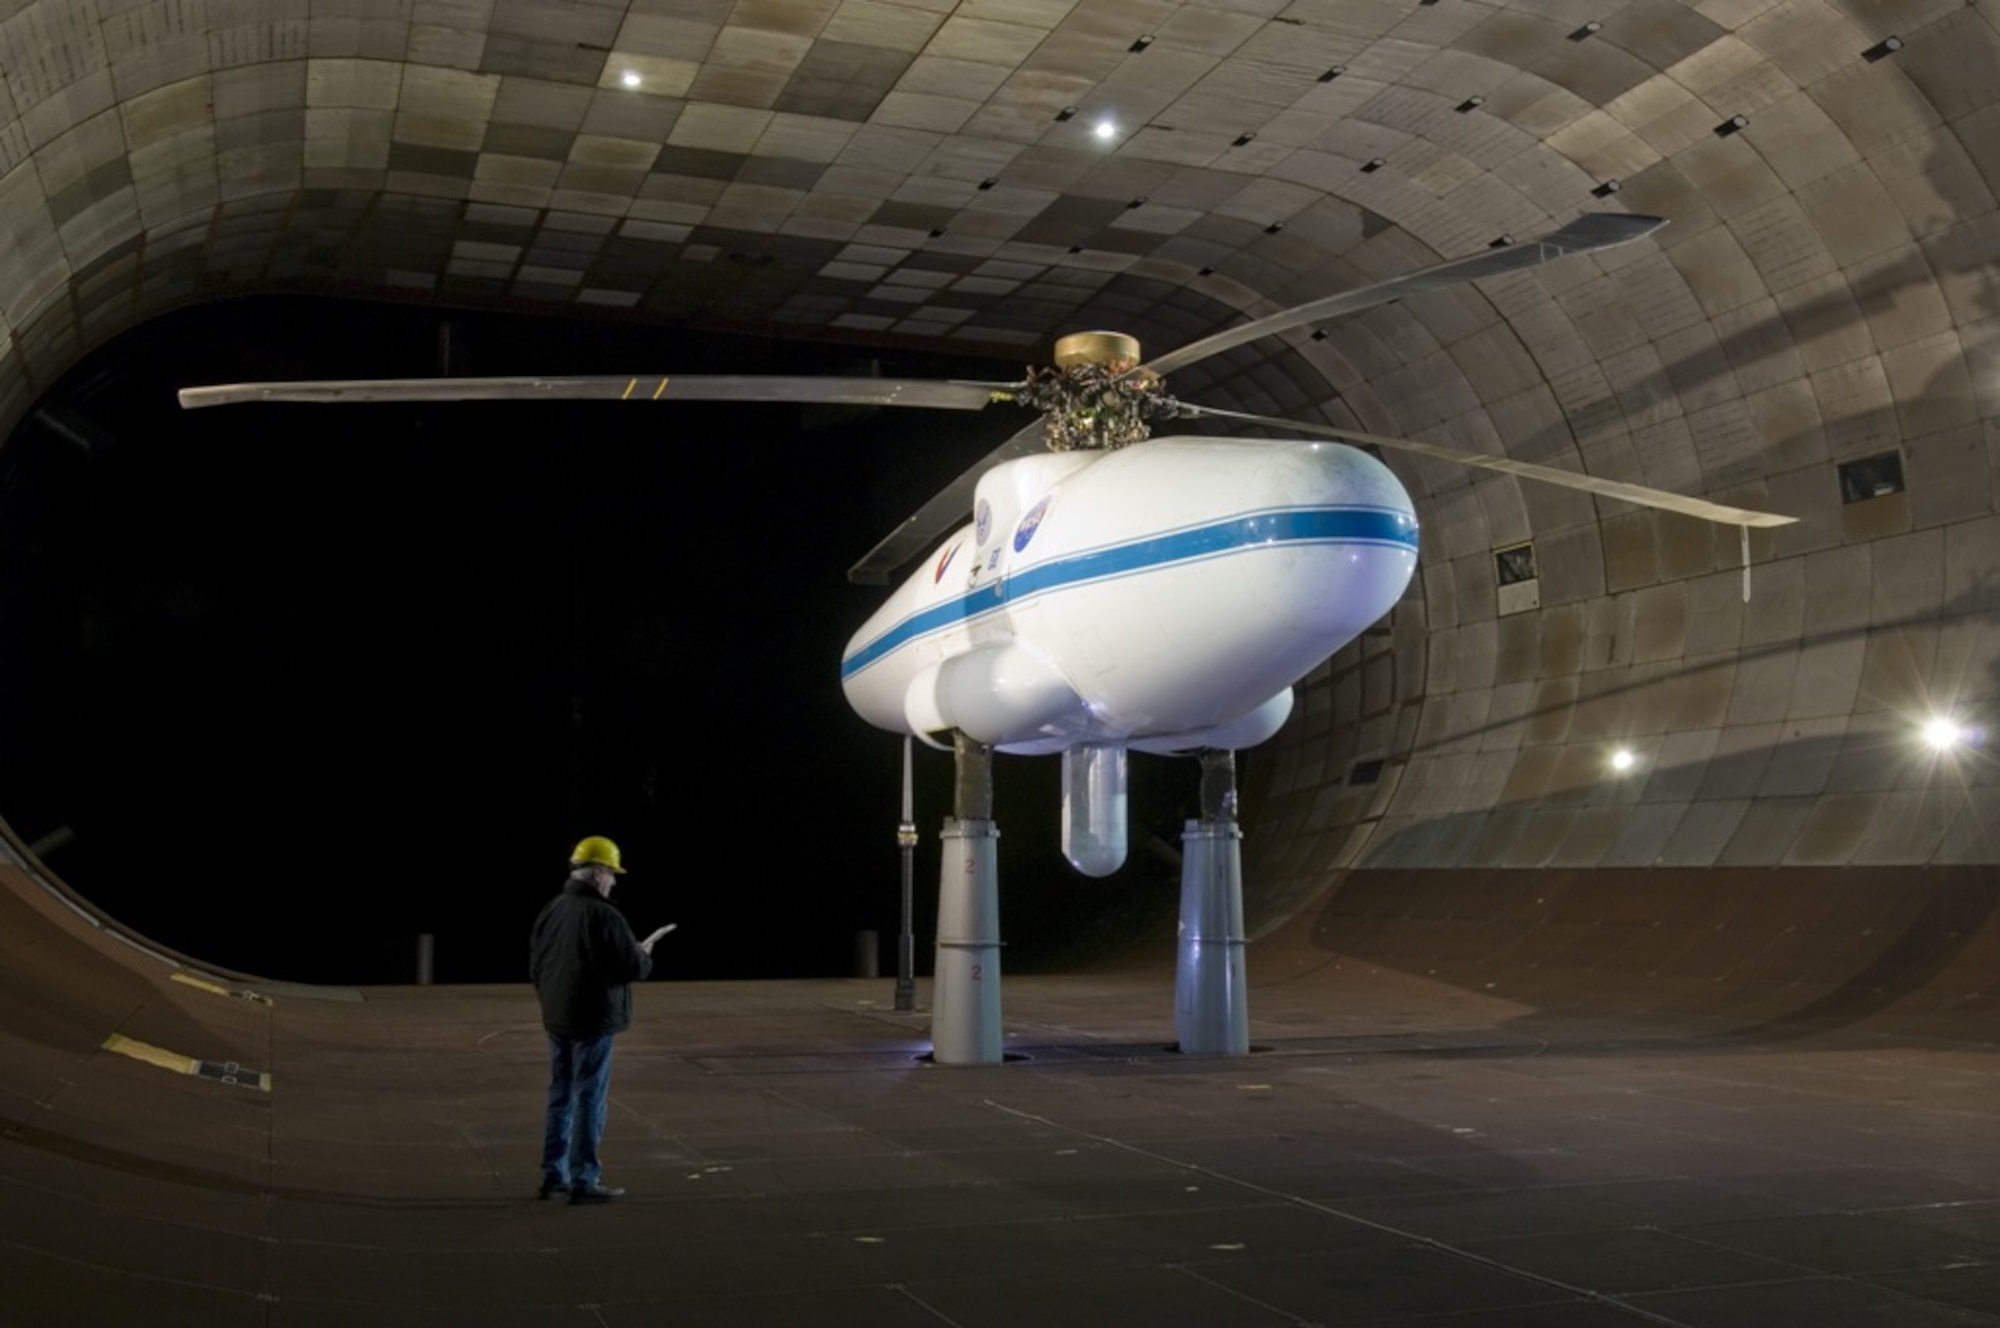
<point>1764,954</point>
<point>1827,293</point>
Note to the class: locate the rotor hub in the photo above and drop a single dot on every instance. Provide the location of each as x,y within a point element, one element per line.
<point>1092,398</point>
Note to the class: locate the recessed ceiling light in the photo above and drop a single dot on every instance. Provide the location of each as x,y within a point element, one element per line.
<point>630,78</point>
<point>1943,732</point>
<point>1106,130</point>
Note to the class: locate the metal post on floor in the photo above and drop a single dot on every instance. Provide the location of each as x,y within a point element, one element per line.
<point>906,941</point>
<point>965,988</point>
<point>1211,1009</point>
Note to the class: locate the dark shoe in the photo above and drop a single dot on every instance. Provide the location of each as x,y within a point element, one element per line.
<point>553,1188</point>
<point>593,1193</point>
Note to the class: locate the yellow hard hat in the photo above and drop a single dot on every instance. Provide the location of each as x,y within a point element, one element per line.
<point>596,851</point>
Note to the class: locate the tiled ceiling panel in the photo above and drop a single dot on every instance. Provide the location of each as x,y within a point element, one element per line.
<point>997,170</point>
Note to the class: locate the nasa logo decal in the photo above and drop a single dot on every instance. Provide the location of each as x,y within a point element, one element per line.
<point>982,521</point>
<point>1030,524</point>
<point>944,561</point>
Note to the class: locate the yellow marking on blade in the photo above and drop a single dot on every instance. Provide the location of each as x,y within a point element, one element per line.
<point>626,395</point>
<point>660,391</point>
<point>152,1055</point>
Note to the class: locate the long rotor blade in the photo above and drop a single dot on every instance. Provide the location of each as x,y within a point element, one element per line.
<point>653,387</point>
<point>1599,230</point>
<point>1593,231</point>
<point>951,505</point>
<point>1632,493</point>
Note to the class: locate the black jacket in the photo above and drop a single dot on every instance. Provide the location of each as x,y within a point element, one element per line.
<point>581,957</point>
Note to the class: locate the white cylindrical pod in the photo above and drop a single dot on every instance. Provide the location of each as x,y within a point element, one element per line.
<point>1093,809</point>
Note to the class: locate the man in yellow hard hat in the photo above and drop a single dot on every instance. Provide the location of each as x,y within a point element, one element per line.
<point>583,958</point>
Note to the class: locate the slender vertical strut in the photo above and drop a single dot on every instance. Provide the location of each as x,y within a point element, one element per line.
<point>906,845</point>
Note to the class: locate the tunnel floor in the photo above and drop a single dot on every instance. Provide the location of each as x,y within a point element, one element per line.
<point>1395,1151</point>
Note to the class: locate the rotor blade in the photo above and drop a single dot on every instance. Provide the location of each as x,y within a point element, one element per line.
<point>951,505</point>
<point>657,387</point>
<point>1590,232</point>
<point>1527,470</point>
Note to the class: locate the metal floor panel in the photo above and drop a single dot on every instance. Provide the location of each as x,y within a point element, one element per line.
<point>1402,1150</point>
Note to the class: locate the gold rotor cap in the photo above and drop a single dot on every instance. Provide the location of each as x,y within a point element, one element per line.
<point>1096,348</point>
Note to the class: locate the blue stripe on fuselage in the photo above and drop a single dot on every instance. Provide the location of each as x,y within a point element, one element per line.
<point>1295,525</point>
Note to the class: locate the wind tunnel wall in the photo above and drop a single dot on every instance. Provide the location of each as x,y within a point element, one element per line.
<point>1902,952</point>
<point>1782,845</point>
<point>88,1020</point>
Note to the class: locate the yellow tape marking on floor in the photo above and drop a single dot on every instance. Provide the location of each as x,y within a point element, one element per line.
<point>152,1055</point>
<point>216,989</point>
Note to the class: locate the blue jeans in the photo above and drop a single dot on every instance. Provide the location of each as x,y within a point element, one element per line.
<point>579,1088</point>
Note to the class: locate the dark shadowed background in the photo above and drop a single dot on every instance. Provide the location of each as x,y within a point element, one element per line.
<point>286,686</point>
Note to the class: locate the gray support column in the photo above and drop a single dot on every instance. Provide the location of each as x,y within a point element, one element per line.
<point>965,991</point>
<point>965,987</point>
<point>1211,1007</point>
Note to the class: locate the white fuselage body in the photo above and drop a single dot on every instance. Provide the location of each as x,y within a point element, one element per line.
<point>1166,596</point>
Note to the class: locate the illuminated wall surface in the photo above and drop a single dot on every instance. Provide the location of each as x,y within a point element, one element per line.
<point>1826,296</point>
<point>1637,945</point>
